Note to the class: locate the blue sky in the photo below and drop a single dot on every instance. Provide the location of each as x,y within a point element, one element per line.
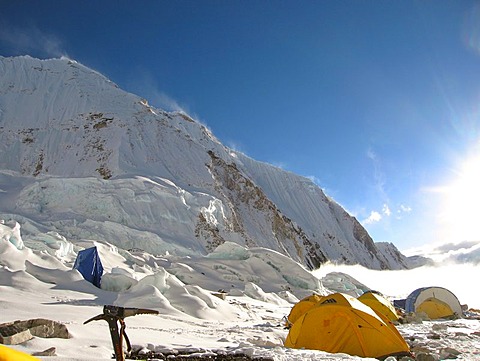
<point>377,101</point>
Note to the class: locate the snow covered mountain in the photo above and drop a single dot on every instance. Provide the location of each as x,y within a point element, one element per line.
<point>83,158</point>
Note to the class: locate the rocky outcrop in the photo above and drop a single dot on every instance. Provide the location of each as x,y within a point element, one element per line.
<point>14,333</point>
<point>239,192</point>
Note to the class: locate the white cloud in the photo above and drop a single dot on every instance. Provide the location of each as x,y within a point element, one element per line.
<point>404,209</point>
<point>393,283</point>
<point>386,210</point>
<point>33,41</point>
<point>373,218</point>
<point>401,210</point>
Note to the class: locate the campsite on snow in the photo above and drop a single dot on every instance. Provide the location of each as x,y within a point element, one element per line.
<point>117,216</point>
<point>235,302</point>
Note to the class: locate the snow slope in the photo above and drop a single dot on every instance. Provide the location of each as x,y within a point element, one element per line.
<point>37,281</point>
<point>83,158</point>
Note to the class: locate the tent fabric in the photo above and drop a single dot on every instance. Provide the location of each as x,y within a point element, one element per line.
<point>301,307</point>
<point>435,308</point>
<point>10,354</point>
<point>399,303</point>
<point>436,302</point>
<point>379,304</point>
<point>89,265</point>
<point>339,323</point>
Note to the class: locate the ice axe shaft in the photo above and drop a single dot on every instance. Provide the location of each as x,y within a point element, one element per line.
<point>115,315</point>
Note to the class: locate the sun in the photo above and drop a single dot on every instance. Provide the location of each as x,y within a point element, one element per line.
<point>460,213</point>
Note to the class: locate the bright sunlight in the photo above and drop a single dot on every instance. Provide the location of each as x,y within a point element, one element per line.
<point>459,215</point>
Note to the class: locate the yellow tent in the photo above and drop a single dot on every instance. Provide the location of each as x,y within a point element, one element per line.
<point>10,354</point>
<point>379,304</point>
<point>435,308</point>
<point>340,323</point>
<point>436,302</point>
<point>301,307</point>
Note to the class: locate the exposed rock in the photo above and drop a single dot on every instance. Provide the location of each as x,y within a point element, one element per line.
<point>48,352</point>
<point>13,333</point>
<point>239,192</point>
<point>221,295</point>
<point>425,357</point>
<point>448,353</point>
<point>194,355</point>
<point>413,317</point>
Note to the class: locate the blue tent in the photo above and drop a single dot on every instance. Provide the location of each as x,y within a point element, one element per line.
<point>89,265</point>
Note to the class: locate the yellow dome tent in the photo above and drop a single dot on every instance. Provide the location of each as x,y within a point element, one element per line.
<point>435,308</point>
<point>301,307</point>
<point>436,302</point>
<point>379,304</point>
<point>340,323</point>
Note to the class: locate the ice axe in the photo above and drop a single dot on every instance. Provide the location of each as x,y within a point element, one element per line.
<point>115,315</point>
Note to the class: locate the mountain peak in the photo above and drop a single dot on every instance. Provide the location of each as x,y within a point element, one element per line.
<point>93,161</point>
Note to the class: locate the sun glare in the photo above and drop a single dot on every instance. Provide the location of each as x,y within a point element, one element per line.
<point>459,215</point>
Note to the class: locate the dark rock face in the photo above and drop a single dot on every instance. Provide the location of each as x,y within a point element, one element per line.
<point>240,192</point>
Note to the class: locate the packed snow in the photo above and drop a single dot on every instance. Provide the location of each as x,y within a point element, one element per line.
<point>232,301</point>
